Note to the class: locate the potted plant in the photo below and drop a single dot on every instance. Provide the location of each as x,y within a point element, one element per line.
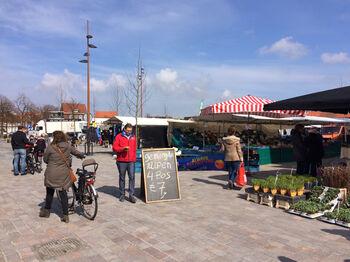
<point>299,185</point>
<point>283,188</point>
<point>256,183</point>
<point>273,188</point>
<point>292,190</point>
<point>264,186</point>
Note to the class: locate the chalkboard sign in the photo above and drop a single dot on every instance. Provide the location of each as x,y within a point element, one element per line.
<point>160,175</point>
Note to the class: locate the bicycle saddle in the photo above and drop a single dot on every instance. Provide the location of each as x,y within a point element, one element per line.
<point>88,162</point>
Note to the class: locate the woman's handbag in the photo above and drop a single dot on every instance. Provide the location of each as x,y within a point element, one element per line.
<point>241,176</point>
<point>72,176</point>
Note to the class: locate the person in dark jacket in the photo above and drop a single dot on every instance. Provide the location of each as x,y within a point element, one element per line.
<point>314,150</point>
<point>125,146</point>
<point>40,147</point>
<point>19,141</point>
<point>57,175</point>
<point>299,149</point>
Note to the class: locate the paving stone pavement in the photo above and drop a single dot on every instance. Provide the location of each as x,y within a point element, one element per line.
<point>209,223</point>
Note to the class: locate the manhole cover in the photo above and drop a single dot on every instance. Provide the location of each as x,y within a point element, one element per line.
<point>58,247</point>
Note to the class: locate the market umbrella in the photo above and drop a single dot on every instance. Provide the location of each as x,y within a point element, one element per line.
<point>248,105</point>
<point>335,101</point>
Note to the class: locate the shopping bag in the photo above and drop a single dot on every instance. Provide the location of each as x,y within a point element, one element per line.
<point>241,176</point>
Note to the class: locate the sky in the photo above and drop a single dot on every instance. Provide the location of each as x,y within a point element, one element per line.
<point>191,51</point>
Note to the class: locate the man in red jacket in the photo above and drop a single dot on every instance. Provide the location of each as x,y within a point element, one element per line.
<point>125,146</point>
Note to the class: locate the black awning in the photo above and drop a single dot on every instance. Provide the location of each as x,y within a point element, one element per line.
<point>334,101</point>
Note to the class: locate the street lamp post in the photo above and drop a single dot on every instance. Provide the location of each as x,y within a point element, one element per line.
<point>87,61</point>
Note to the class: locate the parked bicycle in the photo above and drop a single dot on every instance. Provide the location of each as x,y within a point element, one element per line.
<point>30,160</point>
<point>84,193</point>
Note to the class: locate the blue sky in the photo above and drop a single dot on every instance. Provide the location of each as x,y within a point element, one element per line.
<point>191,50</point>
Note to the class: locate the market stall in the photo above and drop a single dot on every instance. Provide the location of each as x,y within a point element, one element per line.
<point>249,111</point>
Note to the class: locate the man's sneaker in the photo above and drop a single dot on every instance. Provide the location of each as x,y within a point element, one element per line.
<point>230,185</point>
<point>44,213</point>
<point>132,199</point>
<point>16,174</point>
<point>122,198</point>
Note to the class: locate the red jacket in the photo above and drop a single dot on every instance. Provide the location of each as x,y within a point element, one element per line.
<point>122,141</point>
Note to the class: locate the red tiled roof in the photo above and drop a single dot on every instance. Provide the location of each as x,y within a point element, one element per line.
<point>105,114</point>
<point>68,108</point>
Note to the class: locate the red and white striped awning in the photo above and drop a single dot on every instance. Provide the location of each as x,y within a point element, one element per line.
<point>249,105</point>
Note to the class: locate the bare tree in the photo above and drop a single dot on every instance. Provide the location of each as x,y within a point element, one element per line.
<point>45,111</point>
<point>61,95</point>
<point>137,95</point>
<point>6,110</point>
<point>94,102</point>
<point>23,105</point>
<point>117,97</point>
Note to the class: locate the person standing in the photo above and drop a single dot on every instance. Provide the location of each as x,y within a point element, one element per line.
<point>57,175</point>
<point>299,149</point>
<point>233,155</point>
<point>314,150</point>
<point>19,141</point>
<point>125,146</point>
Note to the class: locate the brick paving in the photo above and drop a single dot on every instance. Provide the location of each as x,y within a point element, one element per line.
<point>209,223</point>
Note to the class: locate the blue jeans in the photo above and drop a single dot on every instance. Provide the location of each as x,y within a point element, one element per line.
<point>122,168</point>
<point>19,155</point>
<point>232,168</point>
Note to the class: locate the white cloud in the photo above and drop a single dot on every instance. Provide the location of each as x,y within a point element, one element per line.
<point>226,94</point>
<point>285,48</point>
<point>69,81</point>
<point>117,80</point>
<point>66,80</point>
<point>329,58</point>
<point>167,76</point>
<point>168,80</point>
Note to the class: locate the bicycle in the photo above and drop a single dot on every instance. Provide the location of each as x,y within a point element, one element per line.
<point>30,160</point>
<point>84,194</point>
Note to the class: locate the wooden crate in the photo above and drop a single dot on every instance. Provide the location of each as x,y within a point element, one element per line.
<point>266,199</point>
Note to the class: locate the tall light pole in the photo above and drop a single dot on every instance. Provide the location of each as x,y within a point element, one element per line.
<point>87,61</point>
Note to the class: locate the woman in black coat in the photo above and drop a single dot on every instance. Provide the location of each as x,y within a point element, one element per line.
<point>314,150</point>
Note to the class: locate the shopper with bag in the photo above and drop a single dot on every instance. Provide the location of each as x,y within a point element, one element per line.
<point>233,155</point>
<point>58,174</point>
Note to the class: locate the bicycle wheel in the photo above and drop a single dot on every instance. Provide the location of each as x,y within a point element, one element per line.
<point>30,164</point>
<point>89,202</point>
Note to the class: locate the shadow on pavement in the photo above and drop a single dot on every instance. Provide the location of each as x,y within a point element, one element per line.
<point>341,232</point>
<point>55,207</point>
<point>286,259</point>
<point>110,190</point>
<point>209,182</point>
<point>114,191</point>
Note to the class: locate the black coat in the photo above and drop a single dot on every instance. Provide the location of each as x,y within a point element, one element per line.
<point>299,147</point>
<point>19,140</point>
<point>314,147</point>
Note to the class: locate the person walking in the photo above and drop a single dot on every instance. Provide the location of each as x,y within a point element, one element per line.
<point>233,155</point>
<point>299,149</point>
<point>314,150</point>
<point>19,141</point>
<point>125,147</point>
<point>57,175</point>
